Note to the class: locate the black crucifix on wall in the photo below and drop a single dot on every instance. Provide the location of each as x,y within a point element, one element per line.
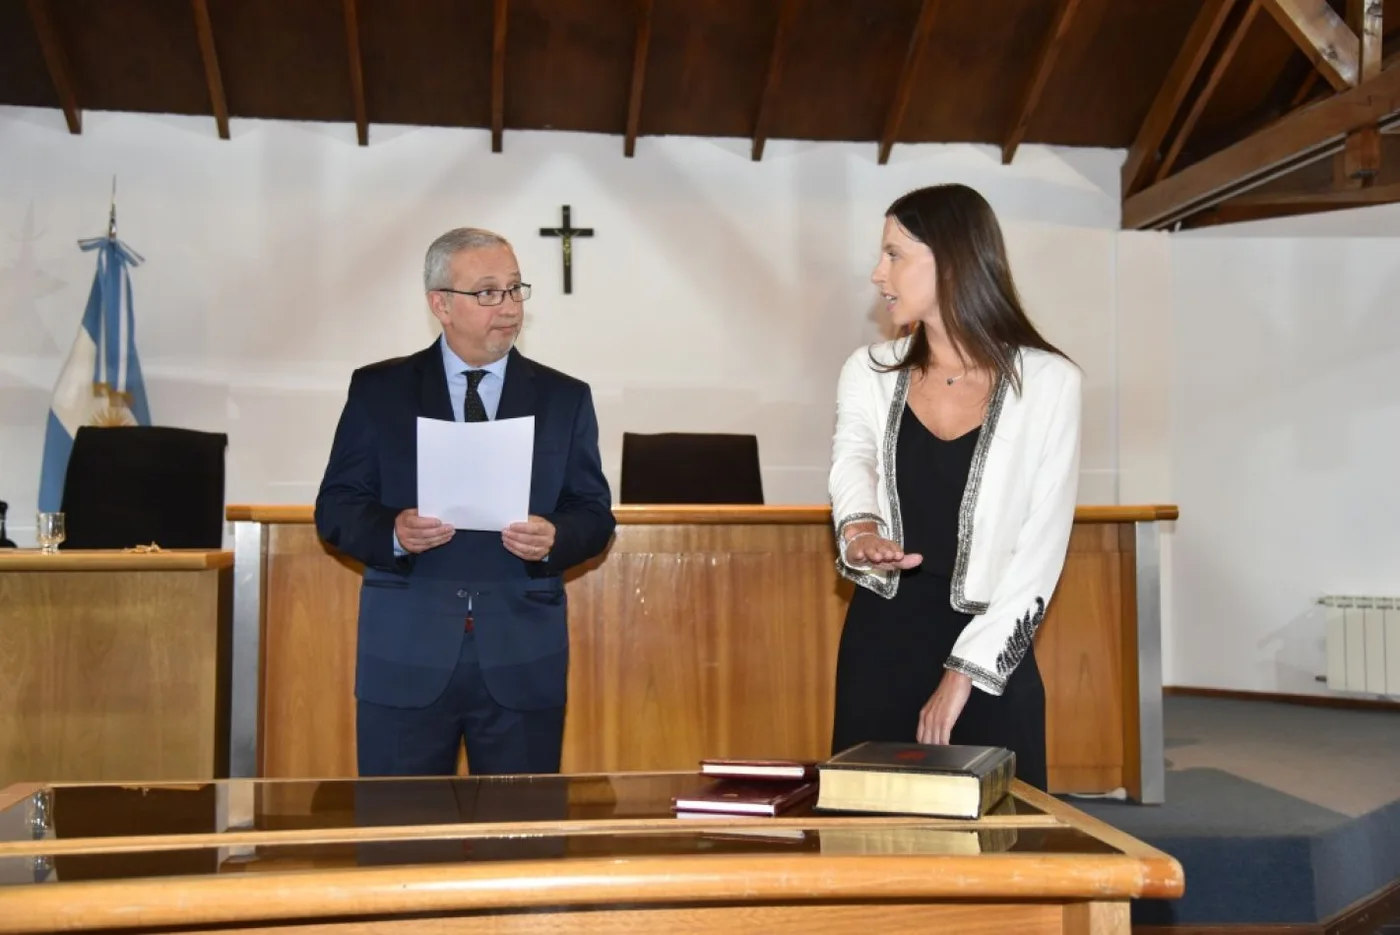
<point>568,232</point>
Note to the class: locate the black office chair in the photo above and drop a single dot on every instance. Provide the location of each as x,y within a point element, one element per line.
<point>136,485</point>
<point>679,467</point>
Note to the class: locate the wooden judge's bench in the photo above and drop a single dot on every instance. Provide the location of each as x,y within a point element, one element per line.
<point>703,631</point>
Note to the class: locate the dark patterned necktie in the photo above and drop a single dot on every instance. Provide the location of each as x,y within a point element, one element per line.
<point>474,410</point>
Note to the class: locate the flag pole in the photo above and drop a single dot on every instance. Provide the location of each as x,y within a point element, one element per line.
<point>112,217</point>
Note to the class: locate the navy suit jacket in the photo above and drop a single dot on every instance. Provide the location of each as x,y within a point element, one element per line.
<point>413,607</point>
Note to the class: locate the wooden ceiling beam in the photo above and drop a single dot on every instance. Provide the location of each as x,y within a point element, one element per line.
<point>1361,159</point>
<point>1198,106</point>
<point>357,71</point>
<point>894,118</point>
<point>639,74</point>
<point>1365,17</point>
<point>1040,77</point>
<point>209,55</point>
<point>1323,37</point>
<point>57,61</point>
<point>1145,152</point>
<point>787,15</point>
<point>1231,213</point>
<point>1336,198</point>
<point>1295,140</point>
<point>1322,180</point>
<point>498,74</point>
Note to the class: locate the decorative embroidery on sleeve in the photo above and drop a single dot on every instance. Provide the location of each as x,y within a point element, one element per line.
<point>1021,638</point>
<point>976,673</point>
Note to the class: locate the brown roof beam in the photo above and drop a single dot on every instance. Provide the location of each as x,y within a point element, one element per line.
<point>786,17</point>
<point>1232,213</point>
<point>210,56</point>
<point>923,28</point>
<point>1323,37</point>
<point>639,73</point>
<point>1323,179</point>
<point>357,71</point>
<point>1045,64</point>
<point>498,75</point>
<point>1145,152</point>
<point>1295,140</point>
<point>1365,17</point>
<point>1198,106</point>
<point>57,61</point>
<point>1335,198</point>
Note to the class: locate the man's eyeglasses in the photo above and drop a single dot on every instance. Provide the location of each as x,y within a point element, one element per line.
<point>519,292</point>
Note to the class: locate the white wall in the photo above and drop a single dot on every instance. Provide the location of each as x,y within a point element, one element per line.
<point>1285,440</point>
<point>719,294</point>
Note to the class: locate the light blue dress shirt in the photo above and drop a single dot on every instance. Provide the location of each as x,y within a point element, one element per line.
<point>489,390</point>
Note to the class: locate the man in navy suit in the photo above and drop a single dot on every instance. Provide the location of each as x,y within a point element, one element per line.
<point>463,635</point>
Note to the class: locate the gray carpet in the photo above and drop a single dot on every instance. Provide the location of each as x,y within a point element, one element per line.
<point>1278,813</point>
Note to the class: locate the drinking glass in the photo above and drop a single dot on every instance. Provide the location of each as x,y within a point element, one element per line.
<point>50,532</point>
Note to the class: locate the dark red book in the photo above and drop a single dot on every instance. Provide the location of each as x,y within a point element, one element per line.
<point>740,768</point>
<point>746,797</point>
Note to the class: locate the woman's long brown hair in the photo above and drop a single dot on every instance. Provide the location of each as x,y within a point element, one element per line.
<point>977,299</point>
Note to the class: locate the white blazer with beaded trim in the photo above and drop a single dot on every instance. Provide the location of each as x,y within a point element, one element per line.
<point>1017,510</point>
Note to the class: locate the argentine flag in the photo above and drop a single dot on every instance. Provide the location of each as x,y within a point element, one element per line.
<point>101,381</point>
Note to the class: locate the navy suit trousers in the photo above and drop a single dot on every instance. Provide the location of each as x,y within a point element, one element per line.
<point>424,741</point>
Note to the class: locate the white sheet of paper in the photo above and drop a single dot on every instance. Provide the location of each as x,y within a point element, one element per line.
<point>475,475</point>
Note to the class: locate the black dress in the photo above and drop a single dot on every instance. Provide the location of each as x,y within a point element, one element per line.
<point>892,650</point>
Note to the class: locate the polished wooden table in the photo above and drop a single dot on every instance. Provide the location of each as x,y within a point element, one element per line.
<point>582,853</point>
<point>114,665</point>
<point>703,631</point>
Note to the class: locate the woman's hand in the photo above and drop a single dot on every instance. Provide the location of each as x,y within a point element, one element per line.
<point>865,548</point>
<point>943,707</point>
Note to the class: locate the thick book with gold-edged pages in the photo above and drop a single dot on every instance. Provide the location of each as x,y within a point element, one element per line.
<point>943,781</point>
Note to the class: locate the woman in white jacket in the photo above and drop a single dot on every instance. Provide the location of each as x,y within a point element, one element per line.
<point>953,483</point>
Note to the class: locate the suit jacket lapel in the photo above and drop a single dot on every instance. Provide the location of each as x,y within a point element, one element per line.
<point>518,393</point>
<point>433,401</point>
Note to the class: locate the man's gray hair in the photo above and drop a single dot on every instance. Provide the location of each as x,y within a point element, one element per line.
<point>436,274</point>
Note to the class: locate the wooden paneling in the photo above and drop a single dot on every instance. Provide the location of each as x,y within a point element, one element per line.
<point>308,658</point>
<point>24,75</point>
<point>545,85</point>
<point>693,641</point>
<point>454,35</point>
<point>133,54</point>
<point>697,639</point>
<point>1080,652</point>
<point>571,66</point>
<point>842,68</point>
<point>288,61</point>
<point>113,675</point>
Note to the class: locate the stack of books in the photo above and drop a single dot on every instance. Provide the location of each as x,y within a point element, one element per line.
<point>749,787</point>
<point>942,781</point>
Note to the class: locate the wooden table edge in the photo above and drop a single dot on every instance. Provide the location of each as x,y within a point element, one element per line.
<point>739,515</point>
<point>83,560</point>
<point>429,888</point>
<point>1164,876</point>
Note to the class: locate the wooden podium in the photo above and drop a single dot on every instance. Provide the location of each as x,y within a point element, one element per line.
<point>114,665</point>
<point>703,631</point>
<point>555,854</point>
